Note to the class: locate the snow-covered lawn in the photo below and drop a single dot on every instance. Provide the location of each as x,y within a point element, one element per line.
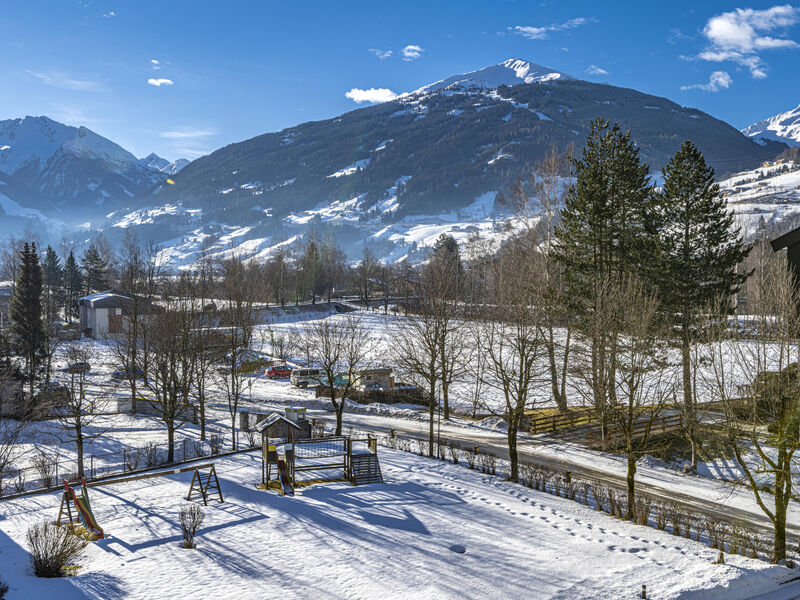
<point>398,540</point>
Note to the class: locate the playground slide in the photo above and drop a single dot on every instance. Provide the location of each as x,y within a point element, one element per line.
<point>85,513</point>
<point>284,477</point>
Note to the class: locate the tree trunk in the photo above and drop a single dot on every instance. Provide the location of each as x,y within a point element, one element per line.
<point>338,409</point>
<point>431,407</point>
<point>201,400</point>
<point>446,399</point>
<point>688,398</point>
<point>630,478</point>
<point>233,430</point>
<point>561,401</point>
<point>79,445</point>
<point>170,441</point>
<point>513,455</point>
<point>779,522</point>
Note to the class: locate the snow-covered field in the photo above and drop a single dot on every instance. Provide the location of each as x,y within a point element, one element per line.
<point>434,530</point>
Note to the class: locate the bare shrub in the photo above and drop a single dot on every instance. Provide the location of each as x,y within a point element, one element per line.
<point>491,464</point>
<point>469,456</point>
<point>643,505</point>
<point>151,454</point>
<point>713,529</point>
<point>53,547</point>
<point>689,523</point>
<point>676,518</point>
<point>453,450</point>
<point>132,458</point>
<point>200,448</point>
<point>252,437</point>
<point>586,490</point>
<point>526,475</point>
<point>215,443</point>
<point>422,447</point>
<point>568,486</point>
<point>45,467</point>
<point>192,517</point>
<point>661,513</point>
<point>613,502</point>
<point>441,449</point>
<point>602,497</point>
<point>19,481</point>
<point>754,543</point>
<point>405,445</point>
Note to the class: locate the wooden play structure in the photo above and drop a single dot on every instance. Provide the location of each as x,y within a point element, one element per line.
<point>205,482</point>
<point>357,459</point>
<point>83,510</point>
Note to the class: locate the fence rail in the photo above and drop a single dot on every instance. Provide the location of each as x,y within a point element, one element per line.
<point>614,435</point>
<point>561,420</point>
<point>49,469</point>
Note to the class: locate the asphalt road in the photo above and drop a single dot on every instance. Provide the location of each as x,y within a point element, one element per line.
<point>548,451</point>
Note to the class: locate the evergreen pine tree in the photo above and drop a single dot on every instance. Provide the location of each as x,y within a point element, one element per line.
<point>698,251</point>
<point>73,286</point>
<point>602,239</point>
<point>95,269</point>
<point>53,284</point>
<point>26,313</point>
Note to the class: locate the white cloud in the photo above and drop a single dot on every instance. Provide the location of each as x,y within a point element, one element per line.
<point>382,54</point>
<point>160,81</point>
<point>374,95</point>
<point>109,15</point>
<point>741,35</point>
<point>412,52</point>
<point>155,64</point>
<point>540,33</point>
<point>187,133</point>
<point>61,80</point>
<point>719,80</point>
<point>595,70</point>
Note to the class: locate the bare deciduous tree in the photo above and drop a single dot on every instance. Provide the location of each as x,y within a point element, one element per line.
<point>340,347</point>
<point>80,410</point>
<point>755,361</point>
<point>509,336</point>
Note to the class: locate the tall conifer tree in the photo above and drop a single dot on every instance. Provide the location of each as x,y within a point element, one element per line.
<point>698,251</point>
<point>95,269</point>
<point>26,313</point>
<point>73,284</point>
<point>601,240</point>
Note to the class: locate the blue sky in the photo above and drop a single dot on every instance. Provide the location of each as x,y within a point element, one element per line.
<point>227,71</point>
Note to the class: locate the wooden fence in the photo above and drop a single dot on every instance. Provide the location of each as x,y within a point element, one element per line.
<point>614,435</point>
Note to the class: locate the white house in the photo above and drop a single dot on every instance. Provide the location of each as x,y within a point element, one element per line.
<point>101,313</point>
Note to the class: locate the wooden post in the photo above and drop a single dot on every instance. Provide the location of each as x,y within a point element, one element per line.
<point>644,591</point>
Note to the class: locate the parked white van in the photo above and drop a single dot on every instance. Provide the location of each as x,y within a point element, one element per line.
<point>305,377</point>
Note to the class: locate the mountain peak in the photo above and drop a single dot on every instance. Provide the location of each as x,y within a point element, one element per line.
<point>512,71</point>
<point>784,127</point>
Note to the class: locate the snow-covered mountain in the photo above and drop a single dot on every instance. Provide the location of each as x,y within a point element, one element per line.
<point>154,161</point>
<point>69,172</point>
<point>784,127</point>
<point>509,72</point>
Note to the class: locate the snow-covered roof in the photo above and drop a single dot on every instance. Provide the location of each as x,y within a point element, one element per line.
<point>106,299</point>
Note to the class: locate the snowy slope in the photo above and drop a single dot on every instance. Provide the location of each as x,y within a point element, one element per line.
<point>509,72</point>
<point>434,530</point>
<point>784,127</point>
<point>764,198</point>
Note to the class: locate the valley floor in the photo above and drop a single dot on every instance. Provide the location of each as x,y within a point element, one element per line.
<point>434,530</point>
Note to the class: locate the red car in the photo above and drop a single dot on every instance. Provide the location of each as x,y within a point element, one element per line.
<point>279,372</point>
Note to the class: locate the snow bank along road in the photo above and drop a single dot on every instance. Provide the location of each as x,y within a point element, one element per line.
<point>701,495</point>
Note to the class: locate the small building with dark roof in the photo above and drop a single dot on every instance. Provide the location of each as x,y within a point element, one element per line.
<point>791,242</point>
<point>101,314</point>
